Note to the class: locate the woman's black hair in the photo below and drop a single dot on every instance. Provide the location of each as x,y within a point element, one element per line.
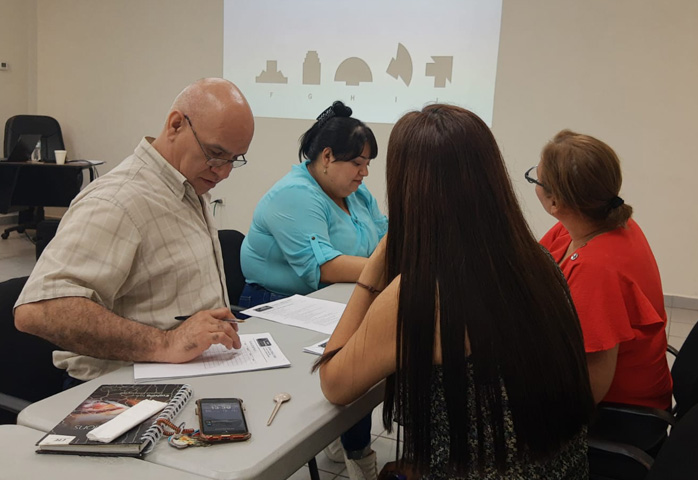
<point>337,129</point>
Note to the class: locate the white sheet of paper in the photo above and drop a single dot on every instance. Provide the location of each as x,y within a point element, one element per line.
<point>300,311</point>
<point>259,352</point>
<point>318,348</point>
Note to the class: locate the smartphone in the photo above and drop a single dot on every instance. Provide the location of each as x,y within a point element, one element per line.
<point>222,420</point>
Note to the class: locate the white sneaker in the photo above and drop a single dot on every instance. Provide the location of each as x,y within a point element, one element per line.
<point>334,451</point>
<point>365,468</point>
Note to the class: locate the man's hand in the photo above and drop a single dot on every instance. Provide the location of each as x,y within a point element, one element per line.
<point>199,332</point>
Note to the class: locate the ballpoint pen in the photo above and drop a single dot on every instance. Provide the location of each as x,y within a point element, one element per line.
<point>181,318</point>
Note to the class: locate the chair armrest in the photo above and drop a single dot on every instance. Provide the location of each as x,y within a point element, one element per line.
<point>641,427</point>
<point>638,410</point>
<point>622,449</point>
<point>12,404</point>
<point>672,350</point>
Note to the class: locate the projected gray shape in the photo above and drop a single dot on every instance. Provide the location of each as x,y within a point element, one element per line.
<point>353,70</point>
<point>441,69</point>
<point>311,68</point>
<point>401,65</point>
<point>271,74</point>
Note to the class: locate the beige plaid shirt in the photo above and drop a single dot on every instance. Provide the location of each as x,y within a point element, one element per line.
<point>138,241</point>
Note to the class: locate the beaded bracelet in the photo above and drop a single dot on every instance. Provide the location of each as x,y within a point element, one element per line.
<point>369,288</point>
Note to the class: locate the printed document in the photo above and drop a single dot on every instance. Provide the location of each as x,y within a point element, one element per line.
<point>318,348</point>
<point>300,311</point>
<point>259,352</point>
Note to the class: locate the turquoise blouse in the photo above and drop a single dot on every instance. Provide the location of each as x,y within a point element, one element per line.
<point>296,228</point>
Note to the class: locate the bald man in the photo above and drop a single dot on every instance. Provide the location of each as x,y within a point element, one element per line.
<point>138,247</point>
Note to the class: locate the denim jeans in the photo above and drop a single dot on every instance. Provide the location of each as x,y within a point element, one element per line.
<point>253,295</point>
<point>70,382</point>
<point>358,436</point>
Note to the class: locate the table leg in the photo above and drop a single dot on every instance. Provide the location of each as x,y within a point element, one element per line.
<point>312,466</point>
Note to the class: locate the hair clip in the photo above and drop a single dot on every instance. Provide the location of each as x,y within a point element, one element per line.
<point>337,109</point>
<point>325,115</point>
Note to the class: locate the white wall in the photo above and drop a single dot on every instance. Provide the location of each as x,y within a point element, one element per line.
<point>18,49</point>
<point>624,71</point>
<point>109,70</point>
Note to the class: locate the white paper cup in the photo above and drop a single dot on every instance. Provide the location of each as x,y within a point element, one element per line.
<point>60,156</point>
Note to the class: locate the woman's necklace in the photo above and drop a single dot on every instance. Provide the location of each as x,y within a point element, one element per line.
<point>582,242</point>
<point>341,202</point>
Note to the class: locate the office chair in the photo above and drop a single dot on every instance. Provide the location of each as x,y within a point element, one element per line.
<point>231,241</point>
<point>47,127</point>
<point>676,460</point>
<point>51,139</point>
<point>625,438</point>
<point>28,374</point>
<point>45,231</point>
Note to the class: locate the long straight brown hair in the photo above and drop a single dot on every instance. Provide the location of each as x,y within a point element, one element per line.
<point>466,257</point>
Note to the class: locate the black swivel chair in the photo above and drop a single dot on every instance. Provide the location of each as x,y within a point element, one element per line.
<point>27,374</point>
<point>231,241</point>
<point>47,127</point>
<point>45,231</point>
<point>51,139</point>
<point>625,438</point>
<point>677,460</point>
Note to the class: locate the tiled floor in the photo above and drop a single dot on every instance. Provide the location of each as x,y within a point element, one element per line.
<point>17,259</point>
<point>17,256</point>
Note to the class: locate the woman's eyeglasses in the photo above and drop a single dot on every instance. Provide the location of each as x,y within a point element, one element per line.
<point>531,178</point>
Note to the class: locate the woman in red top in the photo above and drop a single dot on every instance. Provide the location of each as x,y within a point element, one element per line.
<point>609,267</point>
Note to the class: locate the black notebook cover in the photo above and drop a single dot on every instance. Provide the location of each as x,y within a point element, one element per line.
<point>105,403</point>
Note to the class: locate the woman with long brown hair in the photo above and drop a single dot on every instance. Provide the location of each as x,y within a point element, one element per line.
<point>467,318</point>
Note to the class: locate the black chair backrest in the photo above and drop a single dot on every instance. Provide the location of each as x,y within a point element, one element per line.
<point>27,361</point>
<point>45,231</point>
<point>47,127</point>
<point>231,241</point>
<point>677,460</point>
<point>685,374</point>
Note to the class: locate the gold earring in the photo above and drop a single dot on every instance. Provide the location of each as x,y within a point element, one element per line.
<point>324,171</point>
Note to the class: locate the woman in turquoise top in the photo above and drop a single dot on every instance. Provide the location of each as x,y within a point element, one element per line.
<point>318,225</point>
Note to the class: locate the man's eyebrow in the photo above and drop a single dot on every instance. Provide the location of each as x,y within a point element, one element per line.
<point>217,147</point>
<point>220,148</point>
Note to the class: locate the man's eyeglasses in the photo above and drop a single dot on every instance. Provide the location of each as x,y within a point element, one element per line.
<point>532,178</point>
<point>236,161</point>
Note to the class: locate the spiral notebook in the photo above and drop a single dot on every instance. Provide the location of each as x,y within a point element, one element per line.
<point>70,435</point>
